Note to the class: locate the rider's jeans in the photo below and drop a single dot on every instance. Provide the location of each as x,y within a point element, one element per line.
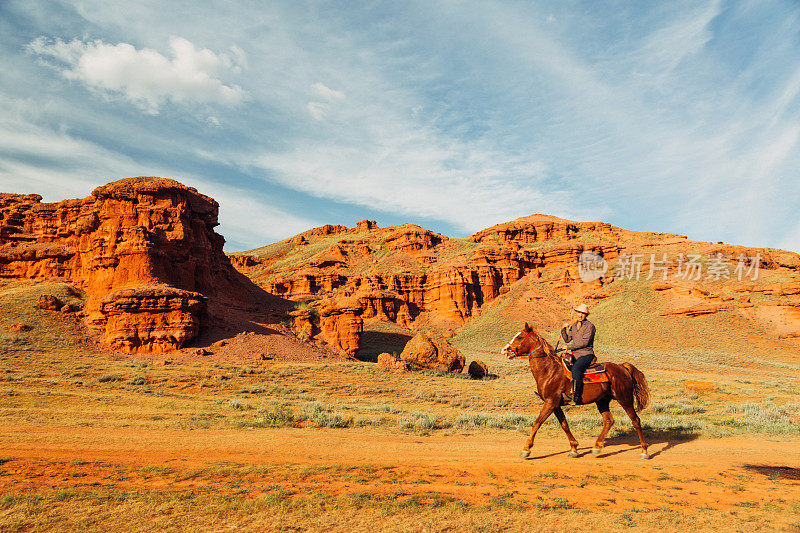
<point>580,366</point>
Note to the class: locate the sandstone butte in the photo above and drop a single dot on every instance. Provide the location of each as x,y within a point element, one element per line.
<point>415,277</point>
<point>145,252</point>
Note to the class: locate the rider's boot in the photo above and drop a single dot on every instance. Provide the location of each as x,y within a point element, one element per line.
<point>577,391</point>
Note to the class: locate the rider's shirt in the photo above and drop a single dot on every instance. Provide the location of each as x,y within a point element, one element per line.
<point>579,338</point>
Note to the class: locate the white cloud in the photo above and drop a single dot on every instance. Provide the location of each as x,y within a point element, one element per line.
<point>247,222</point>
<point>399,165</point>
<point>146,77</point>
<point>680,38</point>
<point>319,110</point>
<point>55,164</point>
<point>326,93</point>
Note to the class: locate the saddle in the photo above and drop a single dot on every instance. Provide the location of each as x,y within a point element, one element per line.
<point>594,374</point>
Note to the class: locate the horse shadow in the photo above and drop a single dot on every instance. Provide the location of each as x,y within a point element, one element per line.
<point>669,437</point>
<point>775,472</point>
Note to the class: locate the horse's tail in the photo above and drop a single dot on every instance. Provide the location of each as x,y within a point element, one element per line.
<point>641,392</point>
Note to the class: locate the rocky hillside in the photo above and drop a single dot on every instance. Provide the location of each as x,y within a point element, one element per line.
<point>145,253</point>
<point>528,269</point>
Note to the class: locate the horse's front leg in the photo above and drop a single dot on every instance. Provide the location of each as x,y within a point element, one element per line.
<point>547,410</point>
<point>573,443</point>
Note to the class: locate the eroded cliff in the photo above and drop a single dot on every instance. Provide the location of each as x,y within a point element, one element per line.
<point>143,249</point>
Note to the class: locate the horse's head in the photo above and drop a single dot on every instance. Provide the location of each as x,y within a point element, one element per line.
<point>522,344</point>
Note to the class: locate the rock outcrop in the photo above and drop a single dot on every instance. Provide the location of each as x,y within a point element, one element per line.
<point>425,352</point>
<point>415,277</point>
<point>143,249</point>
<point>152,319</point>
<point>340,324</point>
<point>336,323</point>
<point>49,303</point>
<point>390,363</point>
<point>478,370</point>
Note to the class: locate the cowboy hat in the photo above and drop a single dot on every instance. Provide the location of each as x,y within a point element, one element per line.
<point>582,308</point>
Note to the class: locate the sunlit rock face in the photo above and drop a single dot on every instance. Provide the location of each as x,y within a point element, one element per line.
<point>143,249</point>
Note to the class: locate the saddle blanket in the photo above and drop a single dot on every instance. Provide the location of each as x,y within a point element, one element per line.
<point>594,374</point>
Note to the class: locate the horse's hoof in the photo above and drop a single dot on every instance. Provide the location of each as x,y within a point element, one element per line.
<point>525,454</point>
<point>645,456</point>
<point>595,451</point>
<point>572,455</point>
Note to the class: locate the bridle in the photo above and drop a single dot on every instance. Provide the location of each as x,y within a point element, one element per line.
<point>535,348</point>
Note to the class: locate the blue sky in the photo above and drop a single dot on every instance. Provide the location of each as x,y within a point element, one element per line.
<point>676,116</point>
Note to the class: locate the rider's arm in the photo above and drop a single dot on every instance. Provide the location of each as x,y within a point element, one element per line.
<point>565,335</point>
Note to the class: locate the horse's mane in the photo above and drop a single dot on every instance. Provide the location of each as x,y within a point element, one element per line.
<point>546,348</point>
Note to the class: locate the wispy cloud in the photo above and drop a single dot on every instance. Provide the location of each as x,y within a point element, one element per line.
<point>146,77</point>
<point>681,117</point>
<point>59,165</point>
<point>319,109</point>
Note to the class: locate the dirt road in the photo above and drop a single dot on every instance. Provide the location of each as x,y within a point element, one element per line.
<point>703,473</point>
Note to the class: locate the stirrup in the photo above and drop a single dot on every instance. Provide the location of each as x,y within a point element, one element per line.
<point>566,399</point>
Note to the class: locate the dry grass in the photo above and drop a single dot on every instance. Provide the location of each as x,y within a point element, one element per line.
<point>51,379</point>
<point>280,497</point>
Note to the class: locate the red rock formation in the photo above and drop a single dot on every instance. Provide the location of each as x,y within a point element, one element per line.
<point>390,363</point>
<point>382,304</point>
<point>304,322</point>
<point>49,303</point>
<point>411,238</point>
<point>151,319</point>
<point>336,323</point>
<point>143,249</point>
<point>528,230</point>
<point>412,276</point>
<point>478,370</point>
<point>366,226</point>
<point>341,325</point>
<point>432,354</point>
<point>327,229</point>
<point>242,262</point>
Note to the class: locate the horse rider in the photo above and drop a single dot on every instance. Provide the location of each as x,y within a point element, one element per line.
<point>579,336</point>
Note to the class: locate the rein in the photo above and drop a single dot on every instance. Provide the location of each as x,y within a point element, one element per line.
<point>532,350</point>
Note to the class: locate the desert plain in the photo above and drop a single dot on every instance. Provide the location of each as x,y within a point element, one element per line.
<point>148,381</point>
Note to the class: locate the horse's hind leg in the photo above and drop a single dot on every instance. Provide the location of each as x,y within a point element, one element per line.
<point>573,444</point>
<point>608,421</point>
<point>547,410</point>
<point>637,426</point>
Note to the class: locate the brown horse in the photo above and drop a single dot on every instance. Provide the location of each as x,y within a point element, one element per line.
<point>627,385</point>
